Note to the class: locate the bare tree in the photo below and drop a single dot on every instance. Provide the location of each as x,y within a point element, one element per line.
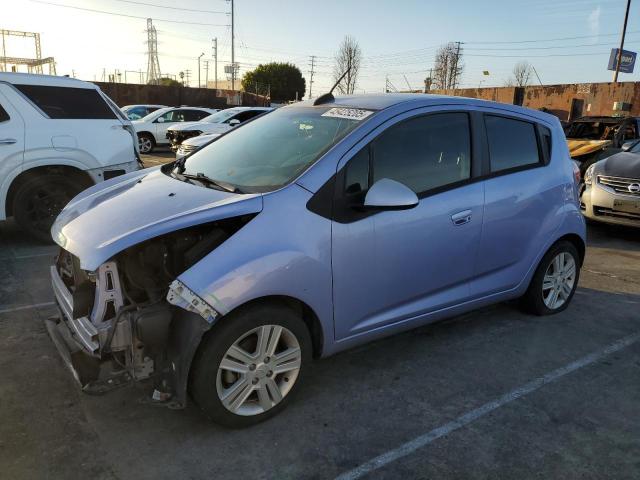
<point>522,74</point>
<point>448,66</point>
<point>348,59</point>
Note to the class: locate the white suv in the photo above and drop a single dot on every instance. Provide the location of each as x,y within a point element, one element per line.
<point>58,136</point>
<point>152,129</point>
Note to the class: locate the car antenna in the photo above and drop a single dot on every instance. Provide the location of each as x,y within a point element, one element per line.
<point>328,97</point>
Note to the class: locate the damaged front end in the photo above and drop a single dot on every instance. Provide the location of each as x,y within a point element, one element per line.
<point>131,320</point>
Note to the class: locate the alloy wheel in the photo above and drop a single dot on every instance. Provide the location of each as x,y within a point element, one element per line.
<point>559,280</point>
<point>144,144</point>
<point>258,370</point>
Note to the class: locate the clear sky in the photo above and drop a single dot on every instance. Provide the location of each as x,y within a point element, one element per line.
<point>398,38</point>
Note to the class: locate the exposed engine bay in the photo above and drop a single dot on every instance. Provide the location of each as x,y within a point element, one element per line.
<point>123,323</point>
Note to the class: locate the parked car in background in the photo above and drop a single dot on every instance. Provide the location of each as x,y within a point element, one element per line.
<point>320,226</point>
<point>593,138</point>
<point>136,112</point>
<point>612,188</point>
<point>152,129</point>
<point>217,123</point>
<point>192,144</point>
<point>58,136</point>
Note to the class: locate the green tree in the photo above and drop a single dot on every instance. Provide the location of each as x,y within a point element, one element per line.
<point>282,80</point>
<point>168,82</point>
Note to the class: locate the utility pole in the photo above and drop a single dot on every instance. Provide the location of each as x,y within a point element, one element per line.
<point>187,74</point>
<point>313,63</point>
<point>206,74</point>
<point>199,57</point>
<point>455,67</point>
<point>537,76</point>
<point>233,52</point>
<point>215,56</point>
<point>624,32</point>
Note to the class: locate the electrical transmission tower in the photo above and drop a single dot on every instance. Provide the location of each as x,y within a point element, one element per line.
<point>153,65</point>
<point>34,65</point>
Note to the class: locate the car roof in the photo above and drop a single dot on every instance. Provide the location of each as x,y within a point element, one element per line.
<point>46,80</point>
<point>144,105</point>
<point>382,101</point>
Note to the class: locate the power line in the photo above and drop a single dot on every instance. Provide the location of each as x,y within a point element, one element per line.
<point>551,39</point>
<point>171,8</point>
<point>126,15</point>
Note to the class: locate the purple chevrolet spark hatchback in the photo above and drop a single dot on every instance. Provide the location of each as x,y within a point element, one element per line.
<point>318,227</point>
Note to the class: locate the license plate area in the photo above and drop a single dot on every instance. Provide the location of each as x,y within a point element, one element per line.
<point>629,206</point>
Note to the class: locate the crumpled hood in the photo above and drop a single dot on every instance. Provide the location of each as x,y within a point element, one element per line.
<point>578,147</point>
<point>204,127</point>
<point>623,164</point>
<point>122,212</point>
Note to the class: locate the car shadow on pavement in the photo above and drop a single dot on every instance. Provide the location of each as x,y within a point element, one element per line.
<point>613,236</point>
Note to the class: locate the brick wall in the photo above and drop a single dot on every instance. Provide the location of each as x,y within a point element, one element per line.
<point>131,94</point>
<point>587,98</point>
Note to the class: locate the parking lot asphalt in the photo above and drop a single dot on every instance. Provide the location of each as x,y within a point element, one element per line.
<point>492,394</point>
<point>159,156</point>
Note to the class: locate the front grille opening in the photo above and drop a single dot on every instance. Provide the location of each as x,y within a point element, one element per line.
<point>608,212</point>
<point>620,184</point>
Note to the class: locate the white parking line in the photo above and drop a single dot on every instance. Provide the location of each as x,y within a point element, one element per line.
<point>34,255</point>
<point>424,440</point>
<point>25,307</point>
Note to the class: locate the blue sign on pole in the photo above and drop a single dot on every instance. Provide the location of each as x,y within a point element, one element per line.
<point>627,62</point>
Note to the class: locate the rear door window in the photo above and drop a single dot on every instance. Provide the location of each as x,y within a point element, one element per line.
<point>194,115</point>
<point>68,103</point>
<point>512,143</point>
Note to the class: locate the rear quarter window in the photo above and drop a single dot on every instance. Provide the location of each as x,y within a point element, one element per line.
<point>513,144</point>
<point>4,116</point>
<point>68,102</point>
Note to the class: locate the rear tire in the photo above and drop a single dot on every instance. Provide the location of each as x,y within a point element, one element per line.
<point>262,380</point>
<point>146,143</point>
<point>40,199</point>
<point>555,280</point>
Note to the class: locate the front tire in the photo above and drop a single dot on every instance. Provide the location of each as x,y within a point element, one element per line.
<point>39,200</point>
<point>146,143</point>
<point>555,281</point>
<point>250,365</point>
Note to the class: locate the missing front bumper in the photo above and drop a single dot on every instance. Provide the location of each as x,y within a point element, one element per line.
<point>89,372</point>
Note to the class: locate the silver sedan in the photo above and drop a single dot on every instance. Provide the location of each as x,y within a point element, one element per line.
<point>612,188</point>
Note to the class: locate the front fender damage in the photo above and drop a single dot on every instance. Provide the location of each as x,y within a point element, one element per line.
<point>135,321</point>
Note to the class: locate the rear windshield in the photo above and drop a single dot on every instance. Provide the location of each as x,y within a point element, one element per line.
<point>274,149</point>
<point>67,102</point>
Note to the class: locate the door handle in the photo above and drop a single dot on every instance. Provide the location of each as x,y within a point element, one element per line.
<point>7,141</point>
<point>461,218</point>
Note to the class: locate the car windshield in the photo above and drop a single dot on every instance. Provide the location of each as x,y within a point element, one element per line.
<point>221,116</point>
<point>274,149</point>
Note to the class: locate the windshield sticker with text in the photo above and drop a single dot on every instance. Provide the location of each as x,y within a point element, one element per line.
<point>350,113</point>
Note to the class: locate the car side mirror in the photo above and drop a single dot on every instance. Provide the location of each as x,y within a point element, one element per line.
<point>387,194</point>
<point>160,120</point>
<point>626,146</point>
<point>234,122</point>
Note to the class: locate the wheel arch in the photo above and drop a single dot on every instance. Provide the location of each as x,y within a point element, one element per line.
<point>306,313</point>
<point>77,174</point>
<point>149,133</point>
<point>577,242</point>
